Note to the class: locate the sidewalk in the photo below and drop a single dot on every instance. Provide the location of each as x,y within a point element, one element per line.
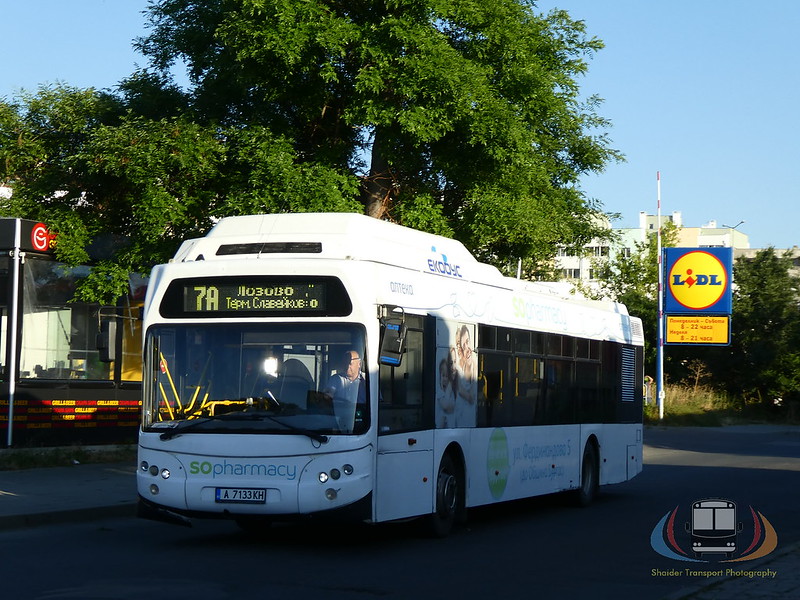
<point>32,497</point>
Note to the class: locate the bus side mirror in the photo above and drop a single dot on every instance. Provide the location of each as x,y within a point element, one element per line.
<point>393,337</point>
<point>107,340</point>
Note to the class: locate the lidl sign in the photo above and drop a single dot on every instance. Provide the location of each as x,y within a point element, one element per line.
<point>698,280</point>
<point>706,330</point>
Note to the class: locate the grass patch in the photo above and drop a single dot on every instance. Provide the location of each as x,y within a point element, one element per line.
<point>704,407</point>
<point>13,459</point>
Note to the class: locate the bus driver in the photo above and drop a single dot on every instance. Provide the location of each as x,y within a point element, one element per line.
<point>347,387</point>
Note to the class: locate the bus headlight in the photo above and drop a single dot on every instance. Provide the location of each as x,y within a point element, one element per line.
<point>165,473</point>
<point>331,494</point>
<point>335,473</point>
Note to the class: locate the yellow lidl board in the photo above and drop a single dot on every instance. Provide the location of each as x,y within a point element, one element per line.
<point>706,329</point>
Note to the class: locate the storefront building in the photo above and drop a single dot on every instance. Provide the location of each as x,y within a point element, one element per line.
<point>54,389</point>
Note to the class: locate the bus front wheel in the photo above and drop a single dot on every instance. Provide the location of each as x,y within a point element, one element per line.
<point>449,498</point>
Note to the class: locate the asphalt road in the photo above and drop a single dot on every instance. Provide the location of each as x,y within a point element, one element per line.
<point>540,548</point>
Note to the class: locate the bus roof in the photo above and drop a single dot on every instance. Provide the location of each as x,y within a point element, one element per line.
<point>347,236</point>
<point>352,236</point>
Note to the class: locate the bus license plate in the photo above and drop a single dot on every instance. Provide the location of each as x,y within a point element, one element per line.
<point>241,495</point>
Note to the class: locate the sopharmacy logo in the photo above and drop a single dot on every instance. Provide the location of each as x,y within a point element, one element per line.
<point>713,530</point>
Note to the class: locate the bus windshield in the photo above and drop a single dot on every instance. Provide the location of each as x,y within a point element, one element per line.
<point>255,378</point>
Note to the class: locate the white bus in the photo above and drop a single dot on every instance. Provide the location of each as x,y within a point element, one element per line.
<point>334,363</point>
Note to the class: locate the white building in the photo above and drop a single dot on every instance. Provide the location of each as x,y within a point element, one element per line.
<point>581,268</point>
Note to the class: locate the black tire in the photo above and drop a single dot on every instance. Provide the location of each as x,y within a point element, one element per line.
<point>449,498</point>
<point>590,476</point>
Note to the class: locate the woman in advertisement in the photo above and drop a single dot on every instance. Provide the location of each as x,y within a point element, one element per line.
<point>457,390</point>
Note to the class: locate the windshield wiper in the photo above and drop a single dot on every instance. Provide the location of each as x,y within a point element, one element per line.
<point>186,425</point>
<point>183,426</point>
<point>317,437</point>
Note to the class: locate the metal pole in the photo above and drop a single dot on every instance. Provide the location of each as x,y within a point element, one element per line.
<point>660,348</point>
<point>12,330</point>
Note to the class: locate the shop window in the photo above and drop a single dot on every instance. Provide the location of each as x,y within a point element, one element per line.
<point>131,326</point>
<point>58,334</point>
<point>4,283</point>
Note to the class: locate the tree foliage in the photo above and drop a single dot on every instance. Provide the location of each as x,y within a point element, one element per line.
<point>470,110</point>
<point>122,190</point>
<point>457,117</point>
<point>632,279</point>
<point>762,364</point>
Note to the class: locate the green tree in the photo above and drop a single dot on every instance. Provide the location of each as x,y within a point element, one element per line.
<point>461,118</point>
<point>632,279</point>
<point>43,137</point>
<point>122,191</point>
<point>762,363</point>
<point>455,117</point>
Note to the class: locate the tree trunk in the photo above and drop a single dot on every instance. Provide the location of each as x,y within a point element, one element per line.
<point>377,188</point>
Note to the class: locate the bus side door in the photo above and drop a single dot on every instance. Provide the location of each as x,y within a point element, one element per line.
<point>404,479</point>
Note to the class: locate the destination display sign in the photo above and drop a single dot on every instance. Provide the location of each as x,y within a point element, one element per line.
<point>256,296</point>
<point>235,297</point>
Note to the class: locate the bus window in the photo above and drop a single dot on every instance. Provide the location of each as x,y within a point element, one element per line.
<point>401,389</point>
<point>587,380</point>
<point>522,341</point>
<point>528,389</point>
<point>495,400</point>
<point>559,400</point>
<point>273,378</point>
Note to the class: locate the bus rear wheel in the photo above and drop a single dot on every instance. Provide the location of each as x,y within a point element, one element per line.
<point>449,498</point>
<point>590,476</point>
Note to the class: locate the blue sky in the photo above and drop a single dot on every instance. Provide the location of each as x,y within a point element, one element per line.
<point>704,91</point>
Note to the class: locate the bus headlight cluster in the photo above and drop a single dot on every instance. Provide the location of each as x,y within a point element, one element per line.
<point>335,473</point>
<point>154,470</point>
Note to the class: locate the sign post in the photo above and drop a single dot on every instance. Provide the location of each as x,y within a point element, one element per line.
<point>660,337</point>
<point>695,305</point>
